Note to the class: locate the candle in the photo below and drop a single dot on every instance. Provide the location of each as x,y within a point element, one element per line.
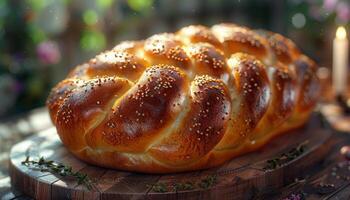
<point>340,61</point>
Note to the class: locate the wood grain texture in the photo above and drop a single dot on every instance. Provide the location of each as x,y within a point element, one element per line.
<point>241,178</point>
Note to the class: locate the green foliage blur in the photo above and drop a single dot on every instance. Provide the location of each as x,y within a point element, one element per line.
<point>41,40</point>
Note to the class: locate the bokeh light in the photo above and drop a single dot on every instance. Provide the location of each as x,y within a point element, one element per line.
<point>140,5</point>
<point>92,41</point>
<point>90,17</point>
<point>299,20</point>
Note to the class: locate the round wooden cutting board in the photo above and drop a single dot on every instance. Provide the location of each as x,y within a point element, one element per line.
<point>243,177</point>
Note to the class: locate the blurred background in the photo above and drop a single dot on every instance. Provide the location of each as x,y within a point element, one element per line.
<point>41,40</point>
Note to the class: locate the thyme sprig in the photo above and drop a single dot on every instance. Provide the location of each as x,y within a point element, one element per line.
<point>207,182</point>
<point>204,183</point>
<point>284,158</point>
<point>59,169</point>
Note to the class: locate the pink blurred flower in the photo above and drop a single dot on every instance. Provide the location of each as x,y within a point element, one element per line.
<point>343,11</point>
<point>294,197</point>
<point>329,5</point>
<point>48,52</point>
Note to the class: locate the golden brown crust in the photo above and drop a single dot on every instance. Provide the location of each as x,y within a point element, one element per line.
<point>116,63</point>
<point>207,60</point>
<point>252,85</point>
<point>203,126</point>
<point>283,100</point>
<point>165,49</point>
<point>84,106</point>
<point>241,39</point>
<point>79,71</point>
<point>283,48</point>
<point>142,114</point>
<point>184,101</point>
<point>308,90</point>
<point>58,95</point>
<point>198,34</point>
<point>130,47</point>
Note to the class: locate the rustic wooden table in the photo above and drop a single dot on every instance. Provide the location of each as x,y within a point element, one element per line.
<point>328,180</point>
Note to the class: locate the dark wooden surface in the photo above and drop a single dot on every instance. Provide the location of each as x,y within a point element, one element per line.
<point>240,178</point>
<point>333,170</point>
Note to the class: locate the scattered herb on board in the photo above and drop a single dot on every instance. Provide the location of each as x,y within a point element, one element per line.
<point>160,187</point>
<point>184,186</point>
<point>325,188</point>
<point>207,182</point>
<point>285,157</point>
<point>204,183</point>
<point>59,169</point>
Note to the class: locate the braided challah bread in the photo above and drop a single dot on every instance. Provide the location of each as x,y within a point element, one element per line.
<point>184,101</point>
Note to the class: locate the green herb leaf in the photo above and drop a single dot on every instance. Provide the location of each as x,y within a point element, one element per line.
<point>59,169</point>
<point>284,158</point>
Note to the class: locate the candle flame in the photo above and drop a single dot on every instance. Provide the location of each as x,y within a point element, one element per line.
<point>341,33</point>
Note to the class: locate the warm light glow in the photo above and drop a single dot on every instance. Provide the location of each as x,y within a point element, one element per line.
<point>341,33</point>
